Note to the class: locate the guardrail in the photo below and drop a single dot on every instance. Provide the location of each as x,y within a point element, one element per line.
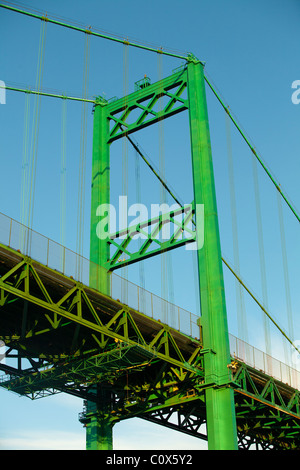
<point>50,253</point>
<point>55,256</point>
<point>263,362</point>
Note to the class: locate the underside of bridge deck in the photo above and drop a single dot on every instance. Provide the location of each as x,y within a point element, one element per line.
<point>62,336</point>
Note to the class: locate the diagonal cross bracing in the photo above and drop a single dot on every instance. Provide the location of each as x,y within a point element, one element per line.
<point>150,231</point>
<point>145,100</point>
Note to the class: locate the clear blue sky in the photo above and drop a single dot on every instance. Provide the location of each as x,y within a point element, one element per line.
<point>251,54</point>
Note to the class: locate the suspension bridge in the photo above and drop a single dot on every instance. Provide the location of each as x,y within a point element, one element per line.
<point>225,373</point>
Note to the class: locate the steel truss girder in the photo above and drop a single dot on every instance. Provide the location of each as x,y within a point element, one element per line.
<point>269,392</point>
<point>88,369</point>
<point>246,442</point>
<point>182,235</point>
<point>268,413</point>
<point>188,420</point>
<point>156,387</point>
<point>185,419</point>
<point>264,412</point>
<point>259,425</point>
<point>103,320</point>
<point>144,101</point>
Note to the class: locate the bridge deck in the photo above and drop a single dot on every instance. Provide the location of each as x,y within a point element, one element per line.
<point>65,336</point>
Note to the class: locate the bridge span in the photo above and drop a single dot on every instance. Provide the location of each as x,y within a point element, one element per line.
<point>61,335</point>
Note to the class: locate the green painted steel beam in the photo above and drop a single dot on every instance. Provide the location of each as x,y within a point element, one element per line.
<point>99,423</point>
<point>221,421</point>
<point>100,196</point>
<point>79,307</point>
<point>145,100</point>
<point>263,405</point>
<point>151,231</point>
<point>99,433</point>
<point>279,396</point>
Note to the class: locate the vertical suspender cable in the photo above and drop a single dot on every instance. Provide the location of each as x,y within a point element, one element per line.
<point>24,182</point>
<point>142,300</point>
<point>285,272</point>
<point>166,258</point>
<point>261,256</point>
<point>125,162</point>
<point>138,201</point>
<point>35,132</point>
<point>240,302</point>
<point>162,197</point>
<point>82,159</point>
<point>124,140</point>
<point>63,178</point>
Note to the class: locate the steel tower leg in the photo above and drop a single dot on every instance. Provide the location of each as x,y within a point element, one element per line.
<point>99,428</point>
<point>220,410</point>
<point>99,435</point>
<point>100,199</point>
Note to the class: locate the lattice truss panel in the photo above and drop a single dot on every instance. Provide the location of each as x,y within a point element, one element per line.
<point>66,337</point>
<point>153,103</point>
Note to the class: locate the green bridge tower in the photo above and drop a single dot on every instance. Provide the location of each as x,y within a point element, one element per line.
<point>219,396</point>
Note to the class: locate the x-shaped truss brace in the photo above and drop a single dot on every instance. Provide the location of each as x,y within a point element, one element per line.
<point>151,234</point>
<point>138,110</point>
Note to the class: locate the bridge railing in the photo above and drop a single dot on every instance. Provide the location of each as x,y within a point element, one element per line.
<point>62,259</point>
<point>263,362</point>
<point>50,253</point>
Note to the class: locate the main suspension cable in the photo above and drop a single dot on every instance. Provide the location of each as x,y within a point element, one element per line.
<point>40,16</point>
<point>259,159</point>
